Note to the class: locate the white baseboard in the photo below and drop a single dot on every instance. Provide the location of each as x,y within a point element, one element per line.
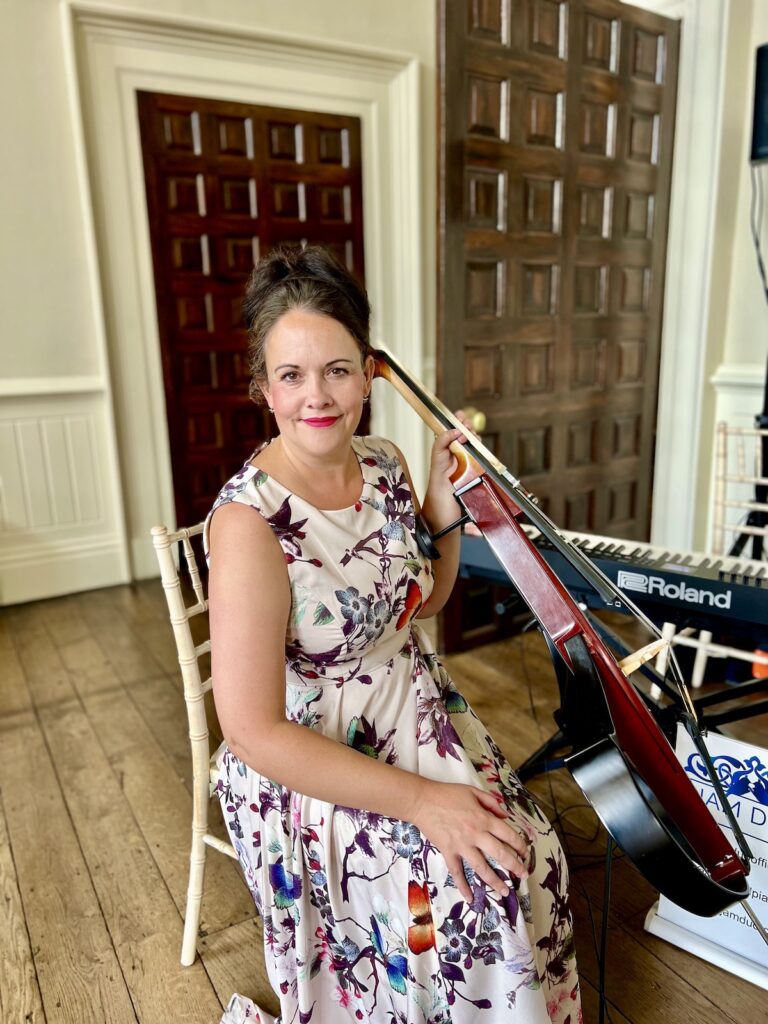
<point>39,572</point>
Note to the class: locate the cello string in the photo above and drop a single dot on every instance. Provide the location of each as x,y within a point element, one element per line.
<point>756,922</point>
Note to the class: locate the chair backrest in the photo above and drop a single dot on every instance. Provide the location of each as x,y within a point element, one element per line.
<point>738,470</point>
<point>189,653</point>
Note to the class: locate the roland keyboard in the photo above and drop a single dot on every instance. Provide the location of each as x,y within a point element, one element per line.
<point>704,590</point>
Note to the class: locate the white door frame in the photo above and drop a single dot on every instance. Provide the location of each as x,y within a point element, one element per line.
<point>112,55</point>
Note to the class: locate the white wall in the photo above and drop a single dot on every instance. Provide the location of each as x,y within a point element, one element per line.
<point>737,341</point>
<point>47,316</point>
<point>63,469</point>
<point>745,338</point>
<point>77,336</point>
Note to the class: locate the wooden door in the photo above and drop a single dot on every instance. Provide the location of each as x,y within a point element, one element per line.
<point>225,182</point>
<point>556,130</point>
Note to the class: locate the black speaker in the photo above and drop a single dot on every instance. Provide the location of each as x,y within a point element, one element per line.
<point>759,150</point>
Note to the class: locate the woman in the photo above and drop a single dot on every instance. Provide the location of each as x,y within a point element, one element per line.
<point>402,872</point>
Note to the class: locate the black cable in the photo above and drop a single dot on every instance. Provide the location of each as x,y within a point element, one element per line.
<point>755,222</point>
<point>759,218</point>
<point>604,932</point>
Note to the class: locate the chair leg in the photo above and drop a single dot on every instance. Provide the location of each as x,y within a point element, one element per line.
<point>194,897</point>
<point>700,660</point>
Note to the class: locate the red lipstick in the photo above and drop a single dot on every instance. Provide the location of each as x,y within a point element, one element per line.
<point>321,421</point>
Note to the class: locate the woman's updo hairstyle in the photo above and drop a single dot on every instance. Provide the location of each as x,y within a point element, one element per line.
<point>311,279</point>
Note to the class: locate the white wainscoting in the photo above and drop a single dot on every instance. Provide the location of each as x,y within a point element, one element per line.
<point>60,526</point>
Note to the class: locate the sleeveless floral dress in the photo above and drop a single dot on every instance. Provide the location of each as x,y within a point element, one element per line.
<point>362,921</point>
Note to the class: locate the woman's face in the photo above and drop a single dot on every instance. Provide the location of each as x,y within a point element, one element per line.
<point>315,381</point>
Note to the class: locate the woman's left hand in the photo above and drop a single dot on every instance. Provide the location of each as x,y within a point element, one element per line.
<point>443,462</point>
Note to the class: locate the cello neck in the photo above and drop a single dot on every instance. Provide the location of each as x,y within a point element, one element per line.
<point>436,415</point>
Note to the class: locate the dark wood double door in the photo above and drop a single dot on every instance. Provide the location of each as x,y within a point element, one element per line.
<point>225,182</point>
<point>556,132</point>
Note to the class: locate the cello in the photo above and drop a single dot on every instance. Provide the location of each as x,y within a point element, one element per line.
<point>620,758</point>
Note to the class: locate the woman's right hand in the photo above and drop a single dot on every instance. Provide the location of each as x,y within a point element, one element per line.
<point>468,825</point>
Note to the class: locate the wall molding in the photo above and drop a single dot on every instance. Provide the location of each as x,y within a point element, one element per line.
<point>739,375</point>
<point>24,387</point>
<point>114,54</point>
<point>208,36</point>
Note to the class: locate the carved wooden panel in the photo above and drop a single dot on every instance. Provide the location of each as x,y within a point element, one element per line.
<point>590,289</point>
<point>536,369</point>
<point>539,289</point>
<point>622,505</point>
<point>489,20</point>
<point>601,42</point>
<point>644,135</point>
<point>582,439</point>
<point>483,373</point>
<point>648,52</point>
<point>598,128</point>
<point>542,204</point>
<point>488,109</point>
<point>485,288</point>
<point>556,123</point>
<point>635,289</point>
<point>588,364</point>
<point>548,27</point>
<point>630,361</point>
<point>638,215</point>
<point>225,182</point>
<point>580,510</point>
<point>595,210</point>
<point>533,454</point>
<point>544,118</point>
<point>626,436</point>
<point>486,198</point>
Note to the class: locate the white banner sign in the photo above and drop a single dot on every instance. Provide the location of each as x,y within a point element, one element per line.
<point>730,939</point>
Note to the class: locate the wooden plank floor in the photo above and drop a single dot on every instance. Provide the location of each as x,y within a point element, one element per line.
<point>95,809</point>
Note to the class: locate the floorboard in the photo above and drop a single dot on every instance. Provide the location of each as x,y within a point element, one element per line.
<point>94,828</point>
<point>19,991</point>
<point>78,971</point>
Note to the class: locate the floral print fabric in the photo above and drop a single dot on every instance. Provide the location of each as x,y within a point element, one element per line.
<point>362,921</point>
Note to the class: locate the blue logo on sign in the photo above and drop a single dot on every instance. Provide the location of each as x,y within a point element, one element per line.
<point>738,778</point>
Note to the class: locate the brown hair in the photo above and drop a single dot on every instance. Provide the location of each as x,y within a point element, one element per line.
<point>311,279</point>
